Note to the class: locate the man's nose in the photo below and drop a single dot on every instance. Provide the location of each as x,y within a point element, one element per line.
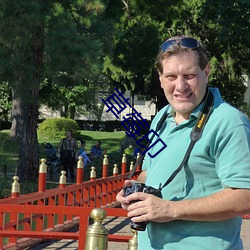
<point>181,83</point>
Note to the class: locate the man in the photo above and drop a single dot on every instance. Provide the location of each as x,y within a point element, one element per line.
<point>96,150</point>
<point>68,151</point>
<point>201,207</point>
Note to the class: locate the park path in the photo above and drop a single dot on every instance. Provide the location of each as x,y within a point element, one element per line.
<point>121,226</point>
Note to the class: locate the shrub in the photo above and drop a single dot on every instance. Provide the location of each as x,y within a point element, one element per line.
<point>55,128</point>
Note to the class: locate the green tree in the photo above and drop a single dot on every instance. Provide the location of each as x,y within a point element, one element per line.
<point>46,40</point>
<point>223,26</point>
<point>74,62</point>
<point>22,42</point>
<point>211,21</point>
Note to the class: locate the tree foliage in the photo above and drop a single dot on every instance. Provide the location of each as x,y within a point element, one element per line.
<point>223,26</point>
<point>62,51</point>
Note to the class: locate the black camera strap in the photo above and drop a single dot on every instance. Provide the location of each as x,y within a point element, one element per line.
<point>195,135</point>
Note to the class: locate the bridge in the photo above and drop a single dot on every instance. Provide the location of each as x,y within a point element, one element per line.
<point>64,212</point>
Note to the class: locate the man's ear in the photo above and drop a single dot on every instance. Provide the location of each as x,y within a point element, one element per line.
<point>207,72</point>
<point>160,77</point>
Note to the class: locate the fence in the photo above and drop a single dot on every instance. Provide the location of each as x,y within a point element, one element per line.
<point>47,214</point>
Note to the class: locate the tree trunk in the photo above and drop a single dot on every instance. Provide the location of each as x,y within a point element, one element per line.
<point>17,121</point>
<point>28,154</point>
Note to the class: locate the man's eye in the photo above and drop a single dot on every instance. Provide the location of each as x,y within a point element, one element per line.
<point>171,77</point>
<point>190,76</point>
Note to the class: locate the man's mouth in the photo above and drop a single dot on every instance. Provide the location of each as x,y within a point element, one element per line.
<point>183,96</point>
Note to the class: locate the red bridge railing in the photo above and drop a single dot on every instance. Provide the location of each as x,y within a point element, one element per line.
<point>47,214</point>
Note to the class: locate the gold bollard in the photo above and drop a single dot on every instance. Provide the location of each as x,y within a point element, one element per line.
<point>62,180</point>
<point>115,170</point>
<point>15,187</point>
<point>97,234</point>
<point>131,165</point>
<point>92,174</point>
<point>133,242</point>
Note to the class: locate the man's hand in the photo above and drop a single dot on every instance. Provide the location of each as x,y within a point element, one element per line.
<point>149,208</point>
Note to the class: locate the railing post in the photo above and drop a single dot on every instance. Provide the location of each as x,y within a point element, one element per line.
<point>105,167</point>
<point>133,242</point>
<point>131,165</point>
<point>124,164</point>
<point>42,176</point>
<point>92,174</point>
<point>139,165</point>
<point>62,180</point>
<point>115,170</point>
<point>15,187</point>
<point>79,173</point>
<point>97,234</point>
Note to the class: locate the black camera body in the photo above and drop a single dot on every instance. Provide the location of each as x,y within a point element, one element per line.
<point>141,187</point>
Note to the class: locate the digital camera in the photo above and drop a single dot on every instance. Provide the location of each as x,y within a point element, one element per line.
<point>141,187</point>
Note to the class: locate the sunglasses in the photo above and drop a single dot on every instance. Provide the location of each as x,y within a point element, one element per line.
<point>186,42</point>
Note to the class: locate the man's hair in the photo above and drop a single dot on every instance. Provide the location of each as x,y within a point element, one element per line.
<point>99,142</point>
<point>178,49</point>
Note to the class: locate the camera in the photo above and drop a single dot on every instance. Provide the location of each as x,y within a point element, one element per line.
<point>141,187</point>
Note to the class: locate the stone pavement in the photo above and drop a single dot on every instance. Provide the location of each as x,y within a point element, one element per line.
<point>121,226</point>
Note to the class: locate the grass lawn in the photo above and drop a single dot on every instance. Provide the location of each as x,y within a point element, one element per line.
<point>9,149</point>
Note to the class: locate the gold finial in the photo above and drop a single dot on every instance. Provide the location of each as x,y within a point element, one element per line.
<point>133,242</point>
<point>124,158</point>
<point>131,165</point>
<point>97,234</point>
<point>138,155</point>
<point>63,178</point>
<point>80,162</point>
<point>105,160</point>
<point>15,187</point>
<point>43,166</point>
<point>115,169</point>
<point>92,172</point>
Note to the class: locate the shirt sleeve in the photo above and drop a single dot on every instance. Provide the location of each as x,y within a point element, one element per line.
<point>232,159</point>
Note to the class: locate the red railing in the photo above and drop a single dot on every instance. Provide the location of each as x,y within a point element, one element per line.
<point>79,216</point>
<point>37,215</point>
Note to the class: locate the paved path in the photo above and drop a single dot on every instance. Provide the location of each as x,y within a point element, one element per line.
<point>121,226</point>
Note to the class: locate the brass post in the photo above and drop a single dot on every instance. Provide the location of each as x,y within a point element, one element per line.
<point>42,176</point>
<point>105,164</point>
<point>139,165</point>
<point>79,171</point>
<point>131,165</point>
<point>15,187</point>
<point>62,180</point>
<point>97,234</point>
<point>133,242</point>
<point>115,170</point>
<point>92,174</point>
<point>124,164</point>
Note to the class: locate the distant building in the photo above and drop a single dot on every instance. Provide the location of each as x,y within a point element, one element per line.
<point>142,104</point>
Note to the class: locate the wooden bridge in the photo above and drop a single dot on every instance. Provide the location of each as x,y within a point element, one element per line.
<point>26,220</point>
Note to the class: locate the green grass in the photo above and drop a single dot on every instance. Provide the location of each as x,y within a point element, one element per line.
<point>9,148</point>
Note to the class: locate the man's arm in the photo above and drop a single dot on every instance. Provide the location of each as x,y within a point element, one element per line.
<point>223,205</point>
<point>142,177</point>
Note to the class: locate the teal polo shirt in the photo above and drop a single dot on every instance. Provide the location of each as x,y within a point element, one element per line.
<point>220,159</point>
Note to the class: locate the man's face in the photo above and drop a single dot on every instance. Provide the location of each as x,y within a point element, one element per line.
<point>68,134</point>
<point>98,145</point>
<point>183,82</point>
